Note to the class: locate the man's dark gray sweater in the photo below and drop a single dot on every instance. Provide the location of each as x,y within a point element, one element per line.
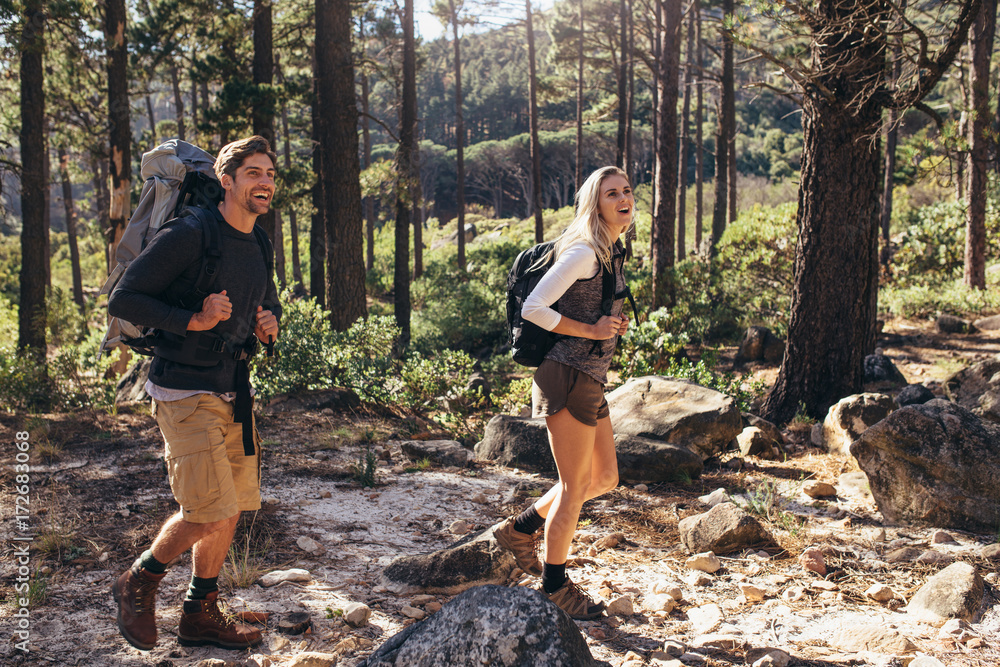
<point>150,289</point>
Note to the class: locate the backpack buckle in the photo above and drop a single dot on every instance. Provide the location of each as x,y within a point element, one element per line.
<point>248,350</point>
<point>218,346</point>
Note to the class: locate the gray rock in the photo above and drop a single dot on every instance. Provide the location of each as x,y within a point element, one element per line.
<point>313,401</point>
<point>473,561</point>
<point>518,442</point>
<point>452,239</point>
<point>675,411</point>
<point>934,464</point>
<point>977,389</point>
<point>914,394</point>
<point>991,551</point>
<point>875,638</point>
<point>647,460</point>
<point>759,344</point>
<point>954,592</point>
<point>769,429</point>
<point>951,324</point>
<point>753,441</point>
<point>723,529</point>
<point>314,659</point>
<point>852,416</point>
<point>440,452</point>
<point>903,555</point>
<point>880,369</point>
<point>991,323</point>
<point>356,614</point>
<point>131,388</point>
<point>489,625</point>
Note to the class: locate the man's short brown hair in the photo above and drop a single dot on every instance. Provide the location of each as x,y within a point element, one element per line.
<point>232,155</point>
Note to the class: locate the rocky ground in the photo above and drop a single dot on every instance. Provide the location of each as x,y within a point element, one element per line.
<point>99,497</point>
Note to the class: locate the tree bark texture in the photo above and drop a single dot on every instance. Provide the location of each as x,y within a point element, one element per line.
<point>685,154</point>
<point>32,313</point>
<point>665,172</point>
<point>404,174</point>
<point>317,230</point>
<point>293,224</point>
<point>368,203</point>
<point>834,298</point>
<point>71,220</point>
<point>262,111</point>
<point>175,82</point>
<point>630,107</point>
<point>118,118</point>
<point>622,83</point>
<point>981,39</point>
<point>699,144</point>
<point>536,148</point>
<point>579,102</point>
<point>459,139</point>
<point>338,125</point>
<point>720,208</point>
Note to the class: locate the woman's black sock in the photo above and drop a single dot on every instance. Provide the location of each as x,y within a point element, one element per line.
<point>553,577</point>
<point>528,521</point>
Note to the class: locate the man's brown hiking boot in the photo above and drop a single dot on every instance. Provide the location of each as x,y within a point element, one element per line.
<point>523,547</point>
<point>574,601</point>
<point>135,593</point>
<point>209,625</point>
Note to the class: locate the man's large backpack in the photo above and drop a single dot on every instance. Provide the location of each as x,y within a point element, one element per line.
<point>529,343</point>
<point>179,178</point>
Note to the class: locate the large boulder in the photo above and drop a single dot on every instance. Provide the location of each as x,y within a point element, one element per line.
<point>935,464</point>
<point>335,398</point>
<point>675,411</point>
<point>759,344</point>
<point>852,416</point>
<point>489,625</point>
<point>476,560</point>
<point>954,592</point>
<point>440,452</point>
<point>723,529</point>
<point>879,369</point>
<point>651,461</point>
<point>516,441</point>
<point>977,388</point>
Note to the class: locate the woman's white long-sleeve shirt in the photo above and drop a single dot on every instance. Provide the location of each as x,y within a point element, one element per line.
<point>578,262</point>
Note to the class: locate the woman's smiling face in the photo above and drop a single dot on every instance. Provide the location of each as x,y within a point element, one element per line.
<point>616,204</point>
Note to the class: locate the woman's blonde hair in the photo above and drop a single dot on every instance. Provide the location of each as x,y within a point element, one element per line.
<point>587,225</point>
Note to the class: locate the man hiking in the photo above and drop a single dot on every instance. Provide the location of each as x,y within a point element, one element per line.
<point>200,385</point>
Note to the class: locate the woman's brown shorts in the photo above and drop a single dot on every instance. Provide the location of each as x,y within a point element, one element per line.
<point>557,386</point>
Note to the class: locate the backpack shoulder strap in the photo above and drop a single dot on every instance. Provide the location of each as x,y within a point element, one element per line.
<point>266,249</point>
<point>211,255</point>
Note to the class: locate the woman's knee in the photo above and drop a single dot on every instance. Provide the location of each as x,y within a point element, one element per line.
<point>603,484</point>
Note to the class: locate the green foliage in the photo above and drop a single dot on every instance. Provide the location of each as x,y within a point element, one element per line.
<point>929,300</point>
<point>649,346</point>
<point>424,379</point>
<point>704,373</point>
<point>366,468</point>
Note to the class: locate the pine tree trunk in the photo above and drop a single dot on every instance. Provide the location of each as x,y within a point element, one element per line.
<point>630,108</point>
<point>317,229</point>
<point>263,108</point>
<point>699,141</point>
<point>721,208</point>
<point>536,149</point>
<point>579,103</point>
<point>366,156</point>
<point>71,221</point>
<point>194,109</point>
<point>33,312</point>
<point>685,155</point>
<point>404,171</point>
<point>834,298</point>
<point>981,39</point>
<point>175,82</point>
<point>889,164</point>
<point>656,47</point>
<point>416,201</point>
<point>338,116</point>
<point>151,117</point>
<point>459,139</point>
<point>667,78</point>
<point>622,83</point>
<point>118,118</point>
<point>293,224</point>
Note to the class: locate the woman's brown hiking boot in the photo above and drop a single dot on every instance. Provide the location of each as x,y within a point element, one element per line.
<point>574,601</point>
<point>522,546</point>
<point>202,622</point>
<point>135,594</point>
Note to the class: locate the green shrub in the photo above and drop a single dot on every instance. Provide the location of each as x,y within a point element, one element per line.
<point>649,346</point>
<point>728,383</point>
<point>424,379</point>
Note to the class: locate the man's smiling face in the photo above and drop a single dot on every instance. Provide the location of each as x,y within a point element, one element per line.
<point>252,187</point>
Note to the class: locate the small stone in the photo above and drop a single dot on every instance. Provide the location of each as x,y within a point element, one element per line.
<point>793,593</point>
<point>823,585</point>
<point>705,618</point>
<point>295,623</point>
<point>597,633</point>
<point>698,579</point>
<point>941,537</point>
<point>258,660</point>
<point>674,648</point>
<point>773,658</point>
<point>669,588</point>
<point>309,545</point>
<point>752,593</point>
<point>659,602</point>
<point>880,593</point>
<point>704,562</point>
<point>433,607</point>
<point>691,658</point>
<point>641,488</point>
<point>459,527</point>
<point>992,578</point>
<point>479,498</point>
<point>661,659</point>
<point>610,541</point>
<point>278,576</point>
<point>271,500</point>
<point>413,612</point>
<point>313,659</point>
<point>357,614</point>
<point>715,497</point>
<point>902,555</point>
<point>621,606</point>
<point>976,642</point>
<point>953,627</point>
<point>46,570</point>
<point>991,551</point>
<point>279,643</point>
<point>325,495</point>
<point>926,661</point>
<point>812,559</point>
<point>931,557</point>
<point>717,641</point>
<point>820,490</point>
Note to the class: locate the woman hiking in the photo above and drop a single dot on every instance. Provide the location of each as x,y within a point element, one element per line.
<point>568,386</point>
